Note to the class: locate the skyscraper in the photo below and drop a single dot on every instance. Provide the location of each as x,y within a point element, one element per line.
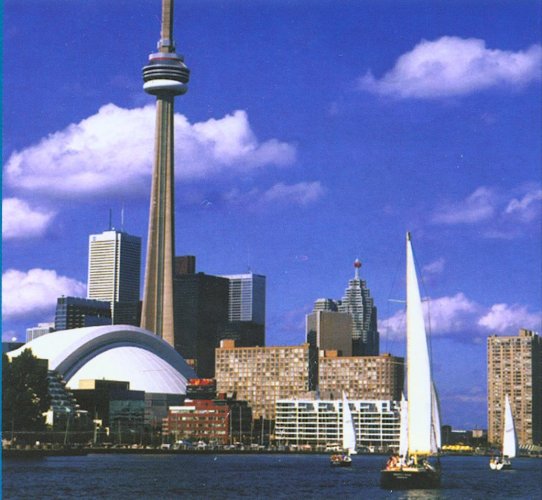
<point>328,329</point>
<point>114,261</point>
<point>165,77</point>
<point>76,312</point>
<point>247,297</point>
<point>358,302</point>
<point>246,309</point>
<point>201,313</point>
<point>514,368</point>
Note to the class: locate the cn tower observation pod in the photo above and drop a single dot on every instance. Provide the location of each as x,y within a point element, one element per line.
<point>113,352</point>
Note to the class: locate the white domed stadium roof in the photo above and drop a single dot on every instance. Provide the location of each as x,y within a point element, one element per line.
<point>113,352</point>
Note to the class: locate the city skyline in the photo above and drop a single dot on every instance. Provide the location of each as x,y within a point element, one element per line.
<point>311,137</point>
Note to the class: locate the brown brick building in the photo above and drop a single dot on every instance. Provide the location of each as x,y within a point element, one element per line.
<point>514,368</point>
<point>261,375</point>
<point>361,377</point>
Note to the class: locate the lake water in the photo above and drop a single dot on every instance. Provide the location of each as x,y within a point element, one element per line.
<point>252,476</point>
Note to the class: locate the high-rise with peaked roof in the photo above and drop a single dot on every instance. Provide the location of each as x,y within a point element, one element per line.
<point>114,262</point>
<point>514,368</point>
<point>358,302</point>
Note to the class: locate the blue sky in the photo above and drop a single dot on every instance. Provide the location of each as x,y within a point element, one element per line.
<point>313,133</point>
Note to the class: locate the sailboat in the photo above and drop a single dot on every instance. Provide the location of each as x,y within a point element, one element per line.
<point>403,436</point>
<point>509,445</point>
<point>422,426</point>
<point>349,438</point>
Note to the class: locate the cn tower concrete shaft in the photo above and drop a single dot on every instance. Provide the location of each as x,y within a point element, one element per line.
<point>165,77</point>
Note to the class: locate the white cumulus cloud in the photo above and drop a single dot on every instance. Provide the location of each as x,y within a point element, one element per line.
<point>9,336</point>
<point>504,318</point>
<point>452,66</point>
<point>113,150</point>
<point>477,207</point>
<point>19,220</point>
<point>435,267</point>
<point>36,290</point>
<point>495,213</point>
<point>527,208</point>
<point>302,193</point>
<point>445,315</point>
<point>458,316</point>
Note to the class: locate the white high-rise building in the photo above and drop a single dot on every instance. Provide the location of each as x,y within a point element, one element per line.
<point>114,263</point>
<point>247,298</point>
<point>246,310</point>
<point>37,331</point>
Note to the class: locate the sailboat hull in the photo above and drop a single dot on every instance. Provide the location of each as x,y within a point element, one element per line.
<point>500,465</point>
<point>340,461</point>
<point>410,478</point>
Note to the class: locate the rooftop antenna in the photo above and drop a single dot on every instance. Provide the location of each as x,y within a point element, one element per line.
<point>357,266</point>
<point>110,218</point>
<point>122,219</point>
<point>249,268</point>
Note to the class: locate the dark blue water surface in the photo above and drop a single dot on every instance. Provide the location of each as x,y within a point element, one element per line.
<point>252,476</point>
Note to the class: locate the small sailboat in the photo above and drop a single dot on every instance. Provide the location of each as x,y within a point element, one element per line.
<point>349,438</point>
<point>403,436</point>
<point>422,427</point>
<point>509,443</point>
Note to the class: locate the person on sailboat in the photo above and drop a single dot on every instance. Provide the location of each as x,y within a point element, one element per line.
<point>393,462</point>
<point>427,465</point>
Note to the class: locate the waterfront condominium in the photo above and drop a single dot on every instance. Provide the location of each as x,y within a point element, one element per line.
<point>113,273</point>
<point>246,310</point>
<point>262,375</point>
<point>361,377</point>
<point>514,368</point>
<point>318,422</point>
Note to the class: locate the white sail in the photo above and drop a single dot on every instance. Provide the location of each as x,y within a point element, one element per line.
<point>403,435</point>
<point>349,434</point>
<point>509,439</point>
<point>418,368</point>
<point>436,441</point>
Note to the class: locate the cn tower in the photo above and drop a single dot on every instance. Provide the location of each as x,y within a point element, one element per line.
<point>165,77</point>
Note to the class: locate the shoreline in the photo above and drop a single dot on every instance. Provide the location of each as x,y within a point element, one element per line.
<point>35,453</point>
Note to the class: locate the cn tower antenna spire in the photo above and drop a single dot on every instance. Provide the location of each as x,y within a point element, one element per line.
<point>165,77</point>
<point>166,43</point>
